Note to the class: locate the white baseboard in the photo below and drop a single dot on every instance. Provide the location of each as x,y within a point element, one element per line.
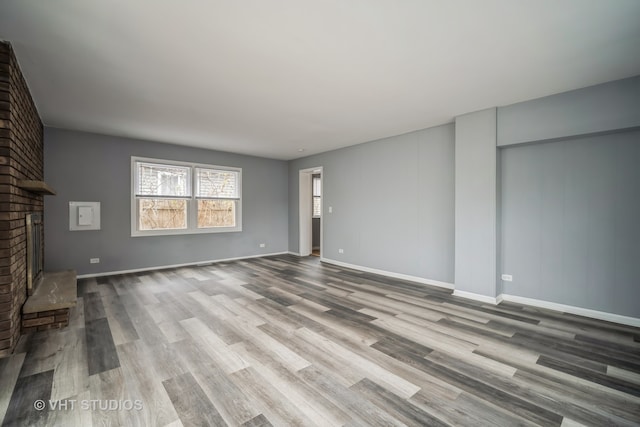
<point>594,314</point>
<point>293,253</point>
<point>478,297</point>
<point>164,267</point>
<point>390,274</point>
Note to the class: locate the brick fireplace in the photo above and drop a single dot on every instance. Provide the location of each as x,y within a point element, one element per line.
<point>21,160</point>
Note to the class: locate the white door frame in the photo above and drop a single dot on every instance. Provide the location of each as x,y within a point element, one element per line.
<point>305,212</point>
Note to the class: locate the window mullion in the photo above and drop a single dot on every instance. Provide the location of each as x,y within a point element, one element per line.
<point>217,198</point>
<point>192,206</point>
<point>146,196</point>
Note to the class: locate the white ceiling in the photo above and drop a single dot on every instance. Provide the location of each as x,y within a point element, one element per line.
<point>268,78</point>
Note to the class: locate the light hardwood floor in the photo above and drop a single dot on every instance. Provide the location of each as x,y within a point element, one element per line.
<point>290,341</point>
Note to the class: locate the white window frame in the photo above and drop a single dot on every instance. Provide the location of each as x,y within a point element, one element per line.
<point>192,200</point>
<point>313,196</point>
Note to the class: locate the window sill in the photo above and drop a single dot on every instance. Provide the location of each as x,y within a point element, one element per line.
<point>184,232</point>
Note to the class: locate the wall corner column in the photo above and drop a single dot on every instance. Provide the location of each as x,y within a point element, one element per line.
<point>476,206</point>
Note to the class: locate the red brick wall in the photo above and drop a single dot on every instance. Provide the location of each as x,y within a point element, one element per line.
<point>21,157</point>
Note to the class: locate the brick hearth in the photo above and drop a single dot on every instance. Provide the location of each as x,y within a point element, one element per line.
<point>44,320</point>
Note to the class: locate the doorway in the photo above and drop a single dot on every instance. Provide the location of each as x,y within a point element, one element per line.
<point>310,211</point>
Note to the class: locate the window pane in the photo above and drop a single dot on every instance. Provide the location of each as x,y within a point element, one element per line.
<point>162,180</point>
<point>216,213</point>
<point>317,206</point>
<point>216,183</point>
<point>317,186</point>
<point>162,214</point>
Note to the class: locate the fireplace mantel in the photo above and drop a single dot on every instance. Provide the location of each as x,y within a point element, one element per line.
<point>39,187</point>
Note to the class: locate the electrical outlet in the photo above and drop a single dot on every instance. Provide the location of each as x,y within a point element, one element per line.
<point>94,260</point>
<point>507,277</point>
<point>340,251</point>
<point>330,209</point>
<point>263,245</point>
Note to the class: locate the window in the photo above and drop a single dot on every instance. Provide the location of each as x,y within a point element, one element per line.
<point>217,194</point>
<point>317,197</point>
<point>181,198</point>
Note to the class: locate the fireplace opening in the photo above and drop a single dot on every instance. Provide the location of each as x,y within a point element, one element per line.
<point>34,250</point>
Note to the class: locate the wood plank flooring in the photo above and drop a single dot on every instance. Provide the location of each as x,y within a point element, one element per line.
<point>290,341</point>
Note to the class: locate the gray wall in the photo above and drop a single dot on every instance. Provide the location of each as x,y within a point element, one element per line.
<point>571,222</point>
<point>570,195</point>
<point>90,167</point>
<point>475,203</point>
<point>602,108</point>
<point>392,200</point>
